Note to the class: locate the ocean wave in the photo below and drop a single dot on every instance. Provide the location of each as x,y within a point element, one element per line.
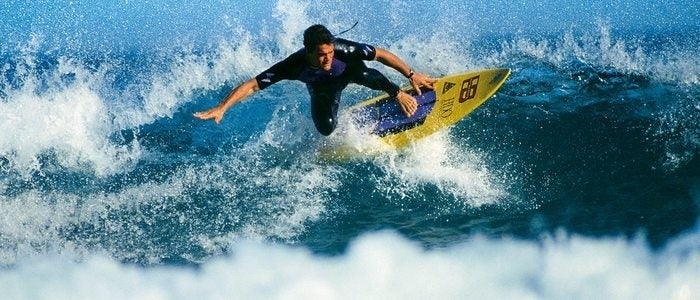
<point>126,91</point>
<point>99,152</point>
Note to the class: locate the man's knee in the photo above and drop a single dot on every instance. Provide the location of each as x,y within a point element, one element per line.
<point>325,127</point>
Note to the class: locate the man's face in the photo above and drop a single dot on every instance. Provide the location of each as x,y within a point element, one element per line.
<point>322,57</point>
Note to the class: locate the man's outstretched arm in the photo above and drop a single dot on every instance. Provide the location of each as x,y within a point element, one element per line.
<point>239,93</point>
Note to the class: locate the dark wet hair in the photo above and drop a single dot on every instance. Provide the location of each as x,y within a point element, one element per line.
<point>316,35</point>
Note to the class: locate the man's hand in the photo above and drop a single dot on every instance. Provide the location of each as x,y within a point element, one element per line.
<point>418,80</point>
<point>216,113</point>
<point>407,102</point>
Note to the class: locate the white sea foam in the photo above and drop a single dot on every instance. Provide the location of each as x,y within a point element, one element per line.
<point>380,265</point>
<point>259,193</point>
<point>49,114</point>
<point>71,121</point>
<point>71,110</point>
<point>454,169</point>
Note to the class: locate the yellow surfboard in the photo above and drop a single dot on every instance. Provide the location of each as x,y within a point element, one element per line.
<point>454,97</point>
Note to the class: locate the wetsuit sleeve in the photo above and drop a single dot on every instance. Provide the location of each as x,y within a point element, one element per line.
<point>286,69</point>
<point>355,50</point>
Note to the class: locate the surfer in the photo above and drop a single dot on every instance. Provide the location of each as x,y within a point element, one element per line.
<point>327,64</point>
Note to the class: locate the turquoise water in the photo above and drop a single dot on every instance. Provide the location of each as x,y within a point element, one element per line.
<point>580,178</point>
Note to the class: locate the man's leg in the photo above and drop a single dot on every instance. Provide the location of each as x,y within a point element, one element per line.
<point>324,108</point>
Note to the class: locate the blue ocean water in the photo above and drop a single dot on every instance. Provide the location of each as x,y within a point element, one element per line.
<point>579,179</point>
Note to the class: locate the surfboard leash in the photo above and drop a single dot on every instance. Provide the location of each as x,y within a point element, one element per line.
<point>346,30</point>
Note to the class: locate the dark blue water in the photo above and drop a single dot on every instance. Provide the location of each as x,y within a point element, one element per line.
<point>579,178</point>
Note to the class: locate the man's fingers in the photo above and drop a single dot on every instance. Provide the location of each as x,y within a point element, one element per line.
<point>408,103</point>
<point>420,80</point>
<point>408,111</point>
<point>430,83</point>
<point>203,115</point>
<point>416,87</point>
<point>208,115</point>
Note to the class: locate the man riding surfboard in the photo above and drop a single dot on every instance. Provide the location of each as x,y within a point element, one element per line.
<point>327,65</point>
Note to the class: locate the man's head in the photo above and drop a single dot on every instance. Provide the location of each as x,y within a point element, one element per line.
<point>318,43</point>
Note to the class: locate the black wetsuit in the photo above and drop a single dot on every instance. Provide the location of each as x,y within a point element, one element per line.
<point>325,86</point>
